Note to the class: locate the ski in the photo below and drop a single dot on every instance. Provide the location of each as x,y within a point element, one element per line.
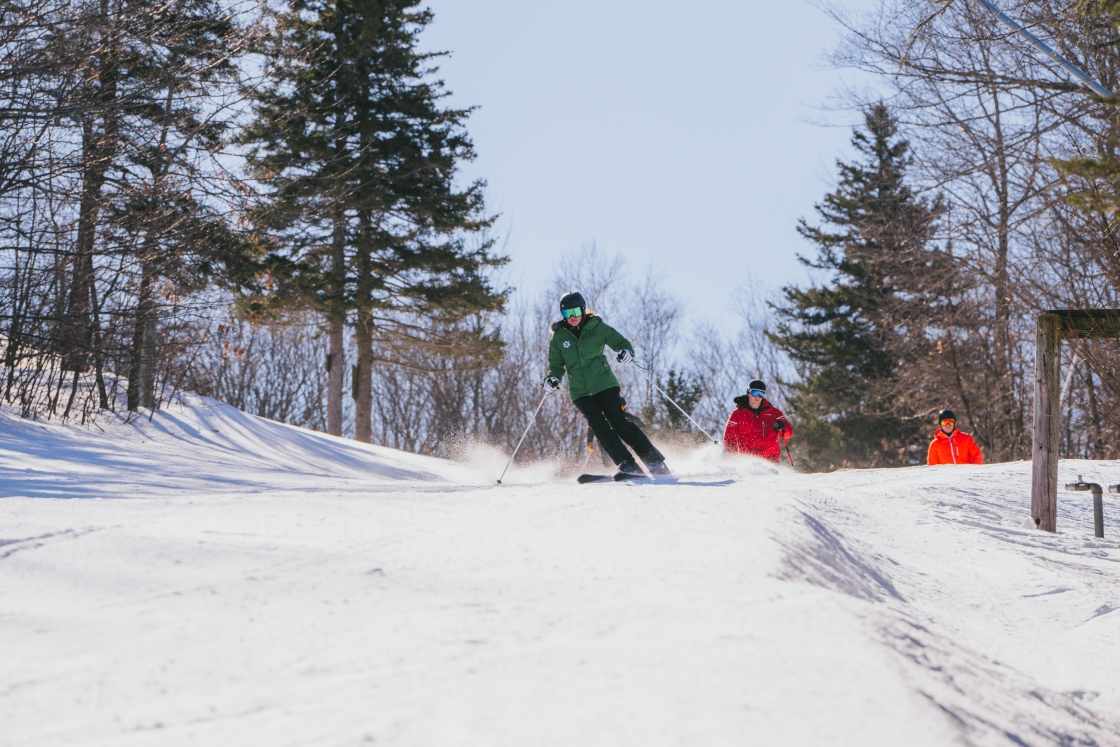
<point>583,479</point>
<point>624,477</point>
<point>655,480</point>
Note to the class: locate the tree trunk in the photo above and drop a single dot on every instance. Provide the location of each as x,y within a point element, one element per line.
<point>76,326</point>
<point>336,374</point>
<point>145,344</point>
<point>1094,450</point>
<point>1007,441</point>
<point>12,349</point>
<point>1005,445</point>
<point>363,340</point>
<point>98,354</point>
<point>142,371</point>
<point>363,379</point>
<point>98,150</point>
<point>148,361</point>
<point>336,320</point>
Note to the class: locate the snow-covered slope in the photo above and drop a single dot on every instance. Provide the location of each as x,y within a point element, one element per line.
<point>235,581</point>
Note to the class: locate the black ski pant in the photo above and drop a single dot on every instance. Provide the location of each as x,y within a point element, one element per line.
<point>605,416</point>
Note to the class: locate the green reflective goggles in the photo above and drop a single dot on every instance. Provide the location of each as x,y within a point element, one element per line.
<point>569,313</point>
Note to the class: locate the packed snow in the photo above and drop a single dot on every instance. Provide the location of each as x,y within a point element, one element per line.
<point>206,577</point>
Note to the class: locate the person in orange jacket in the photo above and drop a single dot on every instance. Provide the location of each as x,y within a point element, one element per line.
<point>951,446</point>
<point>756,425</point>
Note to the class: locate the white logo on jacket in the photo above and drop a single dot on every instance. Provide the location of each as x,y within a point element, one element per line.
<point>567,344</point>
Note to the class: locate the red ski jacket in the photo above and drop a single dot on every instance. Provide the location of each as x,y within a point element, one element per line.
<point>750,432</point>
<point>959,448</point>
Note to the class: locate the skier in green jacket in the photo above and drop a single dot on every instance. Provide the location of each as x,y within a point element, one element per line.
<point>577,347</point>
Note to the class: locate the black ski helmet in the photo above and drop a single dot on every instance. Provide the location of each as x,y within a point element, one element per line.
<point>945,415</point>
<point>757,384</point>
<point>572,300</point>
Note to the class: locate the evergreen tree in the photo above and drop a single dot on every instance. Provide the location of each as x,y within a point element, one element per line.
<point>850,338</point>
<point>166,212</point>
<point>359,160</point>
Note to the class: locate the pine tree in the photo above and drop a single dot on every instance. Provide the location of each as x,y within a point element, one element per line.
<point>359,161</point>
<point>850,337</point>
<point>167,213</point>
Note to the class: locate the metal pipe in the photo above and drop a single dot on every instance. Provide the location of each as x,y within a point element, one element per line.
<point>1041,46</point>
<point>1098,501</point>
<point>1098,511</point>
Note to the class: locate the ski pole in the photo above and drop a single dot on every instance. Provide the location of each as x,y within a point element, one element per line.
<point>783,445</point>
<point>666,396</point>
<point>526,433</point>
<point>587,458</point>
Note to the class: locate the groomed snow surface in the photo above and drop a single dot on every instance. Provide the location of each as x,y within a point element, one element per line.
<point>210,578</point>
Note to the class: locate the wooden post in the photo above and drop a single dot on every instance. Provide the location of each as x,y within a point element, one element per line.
<point>1053,327</point>
<point>1047,422</point>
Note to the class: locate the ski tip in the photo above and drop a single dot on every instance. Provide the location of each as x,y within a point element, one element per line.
<point>584,479</point>
<point>626,477</point>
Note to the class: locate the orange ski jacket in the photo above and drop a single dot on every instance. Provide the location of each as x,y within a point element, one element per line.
<point>958,448</point>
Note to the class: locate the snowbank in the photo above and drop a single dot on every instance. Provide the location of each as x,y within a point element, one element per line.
<point>274,586</point>
<point>200,444</point>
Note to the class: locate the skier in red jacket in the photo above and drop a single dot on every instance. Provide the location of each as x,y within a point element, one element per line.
<point>756,425</point>
<point>951,446</point>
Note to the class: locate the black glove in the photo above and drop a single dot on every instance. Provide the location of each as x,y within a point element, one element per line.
<point>779,426</point>
<point>625,356</point>
<point>551,383</point>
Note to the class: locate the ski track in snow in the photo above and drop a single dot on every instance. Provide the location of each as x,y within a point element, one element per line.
<point>207,577</point>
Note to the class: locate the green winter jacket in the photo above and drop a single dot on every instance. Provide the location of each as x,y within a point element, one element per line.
<point>582,357</point>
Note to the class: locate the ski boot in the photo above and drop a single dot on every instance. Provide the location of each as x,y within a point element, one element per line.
<point>629,469</point>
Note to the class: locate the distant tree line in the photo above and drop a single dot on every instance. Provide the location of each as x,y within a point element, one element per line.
<point>170,171</point>
<point>263,203</point>
<point>433,403</point>
<point>259,202</point>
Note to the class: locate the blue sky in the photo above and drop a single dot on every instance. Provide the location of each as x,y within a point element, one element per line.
<point>676,134</point>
